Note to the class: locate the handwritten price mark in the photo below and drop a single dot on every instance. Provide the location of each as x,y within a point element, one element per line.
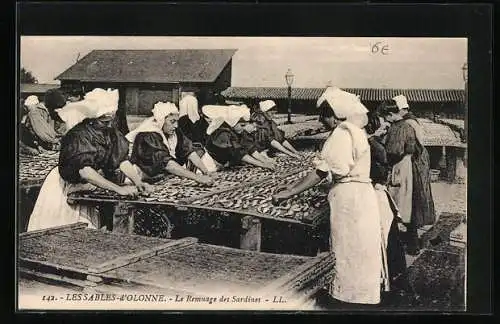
<point>380,48</point>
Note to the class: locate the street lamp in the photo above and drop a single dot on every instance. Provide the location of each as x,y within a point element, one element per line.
<point>289,81</point>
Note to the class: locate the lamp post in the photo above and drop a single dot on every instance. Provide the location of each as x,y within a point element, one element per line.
<point>289,81</point>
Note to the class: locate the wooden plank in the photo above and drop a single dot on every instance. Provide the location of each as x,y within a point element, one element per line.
<point>30,273</point>
<point>53,230</point>
<point>296,274</point>
<point>135,257</point>
<point>251,237</point>
<point>244,213</point>
<point>34,264</point>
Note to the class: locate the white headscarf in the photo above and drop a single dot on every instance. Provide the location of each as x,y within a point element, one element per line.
<point>343,103</point>
<point>266,105</point>
<point>106,101</point>
<point>189,106</point>
<point>97,103</point>
<point>31,101</point>
<point>161,110</point>
<point>347,105</point>
<point>401,102</point>
<point>229,114</point>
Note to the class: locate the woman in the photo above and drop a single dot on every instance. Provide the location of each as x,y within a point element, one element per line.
<point>54,100</point>
<point>159,146</point>
<point>91,151</point>
<point>38,126</point>
<point>410,175</point>
<point>190,122</point>
<point>192,125</point>
<point>268,131</point>
<point>227,144</point>
<point>392,250</point>
<point>354,216</point>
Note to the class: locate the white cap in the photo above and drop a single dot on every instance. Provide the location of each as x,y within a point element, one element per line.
<point>344,104</point>
<point>189,106</point>
<point>162,109</point>
<point>266,105</point>
<point>31,101</point>
<point>401,102</point>
<point>104,101</point>
<point>229,114</point>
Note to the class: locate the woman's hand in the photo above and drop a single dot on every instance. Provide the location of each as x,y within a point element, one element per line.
<point>281,196</point>
<point>127,191</point>
<point>206,180</point>
<point>144,187</point>
<point>269,166</point>
<point>211,174</point>
<point>380,187</point>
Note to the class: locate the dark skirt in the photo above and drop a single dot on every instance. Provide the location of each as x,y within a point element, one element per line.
<point>396,259</point>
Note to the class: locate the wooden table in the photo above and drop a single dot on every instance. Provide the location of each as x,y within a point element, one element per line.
<point>109,262</point>
<point>33,170</point>
<point>188,196</point>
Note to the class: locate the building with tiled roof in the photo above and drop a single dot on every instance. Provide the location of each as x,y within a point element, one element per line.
<point>424,102</point>
<point>144,77</point>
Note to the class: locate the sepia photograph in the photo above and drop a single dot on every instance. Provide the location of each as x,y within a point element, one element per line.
<point>242,173</point>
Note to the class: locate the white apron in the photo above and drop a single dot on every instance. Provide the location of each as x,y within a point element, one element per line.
<point>52,209</point>
<point>401,187</point>
<point>356,243</point>
<point>356,237</point>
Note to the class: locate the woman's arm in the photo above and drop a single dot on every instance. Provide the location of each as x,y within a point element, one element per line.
<point>305,183</point>
<point>289,146</point>
<point>281,148</point>
<point>302,185</point>
<point>250,160</point>
<point>92,176</point>
<point>130,172</point>
<point>260,157</point>
<point>194,157</point>
<point>176,169</point>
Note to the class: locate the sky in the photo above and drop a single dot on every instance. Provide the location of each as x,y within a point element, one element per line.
<point>432,63</point>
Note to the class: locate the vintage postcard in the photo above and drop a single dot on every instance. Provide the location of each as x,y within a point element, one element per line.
<point>242,173</point>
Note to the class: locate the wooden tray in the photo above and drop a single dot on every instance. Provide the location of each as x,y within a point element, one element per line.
<point>97,251</point>
<point>32,170</point>
<point>198,269</point>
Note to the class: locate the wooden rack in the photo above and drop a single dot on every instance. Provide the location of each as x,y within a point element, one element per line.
<point>96,260</point>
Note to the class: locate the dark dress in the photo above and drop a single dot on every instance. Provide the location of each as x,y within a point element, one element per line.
<point>401,140</point>
<point>151,155</point>
<point>379,171</point>
<point>94,144</point>
<point>196,132</point>
<point>267,131</point>
<point>226,146</point>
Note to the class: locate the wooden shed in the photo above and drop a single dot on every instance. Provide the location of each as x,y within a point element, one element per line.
<point>144,77</point>
<point>37,89</point>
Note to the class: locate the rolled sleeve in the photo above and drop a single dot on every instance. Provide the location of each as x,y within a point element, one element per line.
<point>336,156</point>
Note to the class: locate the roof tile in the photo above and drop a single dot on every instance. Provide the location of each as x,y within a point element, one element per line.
<point>152,66</point>
<point>366,94</point>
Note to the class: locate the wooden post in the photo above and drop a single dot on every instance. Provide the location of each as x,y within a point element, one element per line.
<point>451,164</point>
<point>123,218</point>
<point>251,236</point>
